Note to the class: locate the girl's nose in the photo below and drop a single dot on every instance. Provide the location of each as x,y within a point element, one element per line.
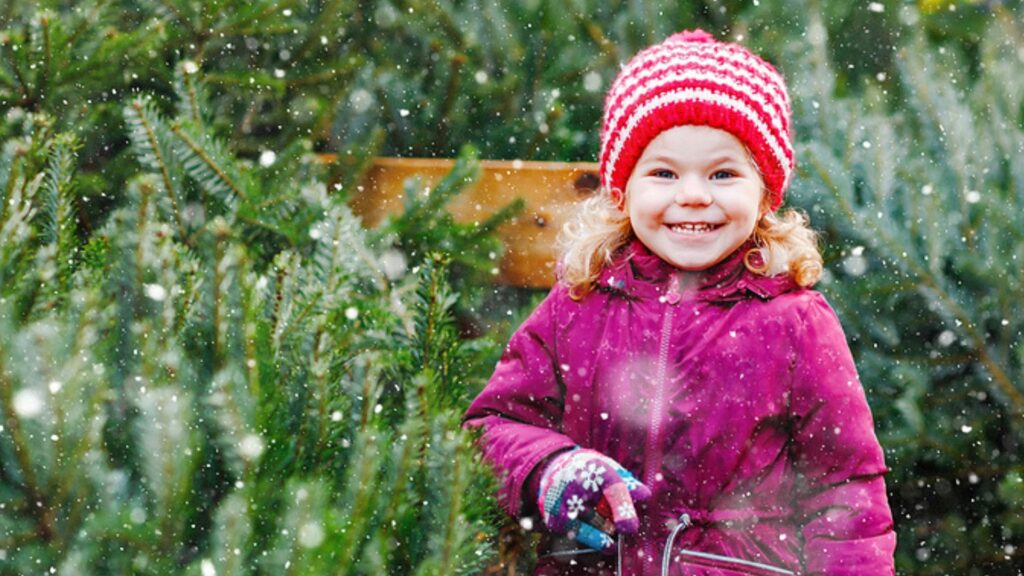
<point>692,191</point>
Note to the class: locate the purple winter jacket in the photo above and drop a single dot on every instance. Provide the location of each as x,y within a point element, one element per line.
<point>738,404</point>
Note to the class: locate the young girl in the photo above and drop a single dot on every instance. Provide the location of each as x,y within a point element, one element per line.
<point>682,402</point>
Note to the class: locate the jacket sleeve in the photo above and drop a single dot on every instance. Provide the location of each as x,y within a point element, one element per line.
<point>847,525</point>
<point>519,412</point>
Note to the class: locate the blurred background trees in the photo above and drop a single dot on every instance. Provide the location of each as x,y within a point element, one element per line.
<point>207,366</point>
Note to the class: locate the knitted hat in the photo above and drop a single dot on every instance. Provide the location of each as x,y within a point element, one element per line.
<point>691,78</point>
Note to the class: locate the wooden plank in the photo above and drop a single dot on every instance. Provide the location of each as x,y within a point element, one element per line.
<point>551,191</point>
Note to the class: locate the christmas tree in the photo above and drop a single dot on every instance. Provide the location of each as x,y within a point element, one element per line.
<point>225,378</point>
<point>918,185</point>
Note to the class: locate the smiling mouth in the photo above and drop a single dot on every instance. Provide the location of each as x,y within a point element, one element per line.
<point>694,228</point>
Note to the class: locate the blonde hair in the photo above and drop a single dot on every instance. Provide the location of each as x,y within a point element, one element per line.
<point>599,230</point>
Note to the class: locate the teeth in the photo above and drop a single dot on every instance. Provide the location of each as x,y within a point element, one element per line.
<point>692,228</point>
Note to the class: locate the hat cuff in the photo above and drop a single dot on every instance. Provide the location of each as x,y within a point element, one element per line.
<point>703,114</point>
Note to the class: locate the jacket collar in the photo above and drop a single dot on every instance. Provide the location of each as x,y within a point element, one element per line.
<point>639,273</point>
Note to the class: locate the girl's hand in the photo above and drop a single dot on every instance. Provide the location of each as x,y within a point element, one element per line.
<point>572,486</point>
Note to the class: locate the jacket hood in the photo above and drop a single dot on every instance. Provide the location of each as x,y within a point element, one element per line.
<point>639,273</point>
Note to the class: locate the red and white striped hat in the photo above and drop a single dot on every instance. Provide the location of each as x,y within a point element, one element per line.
<point>691,78</point>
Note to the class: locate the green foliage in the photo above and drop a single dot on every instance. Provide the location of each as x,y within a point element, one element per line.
<point>215,340</point>
<point>923,208</point>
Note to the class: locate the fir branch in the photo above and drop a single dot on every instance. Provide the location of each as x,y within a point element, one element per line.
<point>330,12</point>
<point>233,407</point>
<point>164,429</point>
<point>148,133</point>
<point>27,100</point>
<point>10,165</point>
<point>191,101</point>
<point>424,210</point>
<point>410,458</point>
<point>206,166</point>
<point>319,367</point>
<point>231,533</point>
<point>88,21</point>
<point>253,316</point>
<point>44,73</point>
<point>448,103</point>
<point>458,485</point>
<point>58,211</point>
<point>45,528</point>
<point>172,9</point>
<point>244,19</point>
<point>16,215</point>
<point>227,262</point>
<point>360,487</point>
<point>608,48</point>
<point>931,283</point>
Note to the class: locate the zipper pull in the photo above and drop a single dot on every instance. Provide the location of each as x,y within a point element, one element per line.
<point>672,295</point>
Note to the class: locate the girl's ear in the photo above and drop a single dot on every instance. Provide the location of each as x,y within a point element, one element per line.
<point>618,198</point>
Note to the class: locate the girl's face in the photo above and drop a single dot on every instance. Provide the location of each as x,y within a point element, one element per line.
<point>694,196</point>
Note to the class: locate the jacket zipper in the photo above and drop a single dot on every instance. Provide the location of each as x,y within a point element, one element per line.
<point>653,459</point>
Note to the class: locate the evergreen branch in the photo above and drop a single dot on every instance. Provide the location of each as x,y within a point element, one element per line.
<point>232,531</point>
<point>10,162</point>
<point>922,274</point>
<point>209,16</point>
<point>439,18</point>
<point>448,104</point>
<point>252,18</point>
<point>15,541</point>
<point>190,100</point>
<point>26,93</point>
<point>275,317</point>
<point>142,217</point>
<point>331,11</point>
<point>170,6</point>
<point>233,404</point>
<point>454,509</point>
<point>44,521</point>
<point>208,171</point>
<point>221,266</point>
<point>343,69</point>
<point>6,81</point>
<point>253,316</point>
<point>319,370</point>
<point>88,21</point>
<point>413,436</point>
<point>139,114</point>
<point>44,73</point>
<point>58,209</point>
<point>364,482</point>
<point>165,430</point>
<point>431,305</point>
<point>296,321</point>
<point>608,48</point>
<point>16,230</point>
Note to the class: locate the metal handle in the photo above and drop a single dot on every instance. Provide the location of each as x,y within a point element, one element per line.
<point>666,556</point>
<point>684,523</point>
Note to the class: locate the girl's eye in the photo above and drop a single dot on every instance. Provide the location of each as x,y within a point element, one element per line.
<point>663,174</point>
<point>722,174</point>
